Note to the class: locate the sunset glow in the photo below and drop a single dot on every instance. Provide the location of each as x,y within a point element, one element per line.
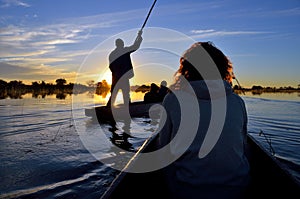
<point>260,37</point>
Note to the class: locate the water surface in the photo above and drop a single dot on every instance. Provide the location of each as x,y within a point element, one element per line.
<point>43,151</point>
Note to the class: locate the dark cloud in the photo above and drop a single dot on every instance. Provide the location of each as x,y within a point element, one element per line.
<point>9,71</point>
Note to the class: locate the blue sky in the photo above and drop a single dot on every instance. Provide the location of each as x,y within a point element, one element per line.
<point>50,39</point>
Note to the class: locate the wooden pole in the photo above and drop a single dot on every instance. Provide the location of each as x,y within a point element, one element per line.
<point>148,14</point>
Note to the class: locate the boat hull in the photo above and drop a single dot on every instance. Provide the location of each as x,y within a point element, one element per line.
<point>269,178</point>
<point>121,112</point>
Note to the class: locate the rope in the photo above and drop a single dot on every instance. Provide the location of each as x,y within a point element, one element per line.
<point>272,151</point>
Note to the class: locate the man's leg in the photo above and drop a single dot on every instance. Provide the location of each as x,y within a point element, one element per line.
<point>126,92</point>
<point>113,94</point>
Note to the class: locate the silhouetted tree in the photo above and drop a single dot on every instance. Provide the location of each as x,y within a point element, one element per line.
<point>61,82</point>
<point>102,88</point>
<point>3,89</point>
<point>35,84</point>
<point>257,87</point>
<point>16,89</point>
<point>144,88</point>
<point>3,84</point>
<point>16,84</point>
<point>43,84</point>
<point>236,87</point>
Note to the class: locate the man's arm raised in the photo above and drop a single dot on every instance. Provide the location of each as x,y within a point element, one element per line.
<point>137,42</point>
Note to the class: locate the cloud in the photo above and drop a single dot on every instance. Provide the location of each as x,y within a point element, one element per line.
<point>18,38</point>
<point>104,20</point>
<point>60,32</point>
<point>8,56</point>
<point>287,12</point>
<point>202,31</point>
<point>9,3</point>
<point>56,42</point>
<point>187,7</point>
<point>8,69</point>
<point>56,45</point>
<point>41,43</point>
<point>52,44</point>
<point>41,72</point>
<point>265,13</point>
<point>200,34</point>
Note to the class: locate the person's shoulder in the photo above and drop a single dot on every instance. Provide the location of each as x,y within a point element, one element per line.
<point>170,98</point>
<point>112,53</point>
<point>238,98</point>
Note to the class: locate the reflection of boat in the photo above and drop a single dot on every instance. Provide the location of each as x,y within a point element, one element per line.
<point>270,178</point>
<point>135,109</point>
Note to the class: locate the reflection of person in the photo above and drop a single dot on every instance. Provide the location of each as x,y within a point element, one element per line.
<point>121,140</point>
<point>121,67</point>
<point>224,171</point>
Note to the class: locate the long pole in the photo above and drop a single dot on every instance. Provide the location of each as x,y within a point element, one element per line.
<point>239,85</point>
<point>148,14</point>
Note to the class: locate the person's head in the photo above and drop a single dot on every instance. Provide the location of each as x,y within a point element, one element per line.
<point>192,57</point>
<point>119,43</point>
<point>154,87</point>
<point>163,83</point>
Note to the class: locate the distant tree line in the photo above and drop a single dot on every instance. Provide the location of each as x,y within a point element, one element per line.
<point>15,89</point>
<point>257,89</point>
<point>143,88</point>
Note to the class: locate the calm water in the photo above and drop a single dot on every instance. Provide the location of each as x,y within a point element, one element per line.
<point>45,153</point>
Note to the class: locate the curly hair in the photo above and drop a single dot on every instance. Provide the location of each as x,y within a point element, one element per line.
<point>193,55</point>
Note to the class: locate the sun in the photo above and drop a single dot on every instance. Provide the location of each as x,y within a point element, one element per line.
<point>106,75</point>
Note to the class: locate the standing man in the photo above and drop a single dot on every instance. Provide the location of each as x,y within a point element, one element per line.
<point>121,67</point>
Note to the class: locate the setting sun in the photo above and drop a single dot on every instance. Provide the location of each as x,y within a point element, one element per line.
<point>105,76</point>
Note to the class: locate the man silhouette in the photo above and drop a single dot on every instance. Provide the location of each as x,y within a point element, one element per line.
<point>121,67</point>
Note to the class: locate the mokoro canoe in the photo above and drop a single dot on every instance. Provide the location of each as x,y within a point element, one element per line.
<point>270,179</point>
<point>135,109</point>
